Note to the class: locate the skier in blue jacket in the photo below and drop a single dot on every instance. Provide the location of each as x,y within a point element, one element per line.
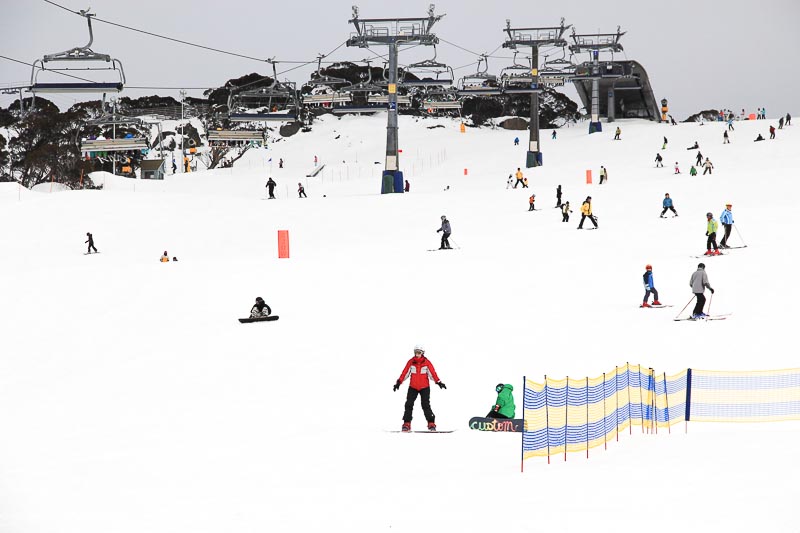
<point>649,287</point>
<point>667,204</point>
<point>726,219</point>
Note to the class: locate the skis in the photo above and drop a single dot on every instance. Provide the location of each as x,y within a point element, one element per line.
<point>655,306</point>
<point>440,249</point>
<point>259,319</point>
<point>706,256</point>
<point>708,317</point>
<point>91,253</point>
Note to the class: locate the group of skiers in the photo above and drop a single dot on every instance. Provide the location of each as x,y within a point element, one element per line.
<point>698,283</point>
<point>271,184</point>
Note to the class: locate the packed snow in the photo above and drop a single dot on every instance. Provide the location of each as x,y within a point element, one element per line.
<point>132,400</point>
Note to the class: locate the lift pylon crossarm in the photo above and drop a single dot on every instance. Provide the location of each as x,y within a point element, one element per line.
<point>596,41</point>
<point>535,36</point>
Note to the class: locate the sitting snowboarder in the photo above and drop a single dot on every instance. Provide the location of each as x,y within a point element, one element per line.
<point>260,309</point>
<point>504,405</point>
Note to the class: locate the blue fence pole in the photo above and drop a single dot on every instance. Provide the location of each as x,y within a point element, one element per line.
<point>522,440</point>
<point>688,399</point>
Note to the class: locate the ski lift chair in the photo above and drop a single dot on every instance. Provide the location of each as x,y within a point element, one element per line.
<point>77,55</point>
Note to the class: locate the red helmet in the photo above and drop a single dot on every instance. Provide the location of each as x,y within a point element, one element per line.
<point>648,267</point>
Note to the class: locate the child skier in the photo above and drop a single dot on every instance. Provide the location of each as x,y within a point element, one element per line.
<point>667,204</point>
<point>693,171</point>
<point>504,405</point>
<point>271,188</point>
<point>260,309</point>
<point>677,168</point>
<point>664,146</point>
<point>659,160</point>
<point>420,370</point>
<point>707,166</point>
<point>617,134</point>
<point>711,233</point>
<point>649,287</point>
<point>165,257</point>
<point>510,181</point>
<point>565,211</point>
<point>90,242</point>
<point>301,191</point>
<point>530,202</point>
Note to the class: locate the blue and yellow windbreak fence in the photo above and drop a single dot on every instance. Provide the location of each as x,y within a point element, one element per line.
<point>577,414</point>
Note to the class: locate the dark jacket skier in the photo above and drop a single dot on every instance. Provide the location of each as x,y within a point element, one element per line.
<point>446,231</point>
<point>271,186</point>
<point>90,242</point>
<point>260,309</point>
<point>659,160</point>
<point>504,405</point>
<point>558,196</point>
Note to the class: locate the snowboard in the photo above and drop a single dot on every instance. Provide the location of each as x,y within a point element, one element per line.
<point>259,319</point>
<point>421,431</point>
<point>512,425</point>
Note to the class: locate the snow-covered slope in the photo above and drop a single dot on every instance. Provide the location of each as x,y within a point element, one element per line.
<point>132,400</point>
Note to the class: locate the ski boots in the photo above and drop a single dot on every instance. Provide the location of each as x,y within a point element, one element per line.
<point>708,252</point>
<point>431,426</point>
<point>406,427</point>
<point>715,252</point>
<point>645,304</point>
<point>656,302</point>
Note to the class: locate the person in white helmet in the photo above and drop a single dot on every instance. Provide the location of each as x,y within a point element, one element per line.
<point>420,370</point>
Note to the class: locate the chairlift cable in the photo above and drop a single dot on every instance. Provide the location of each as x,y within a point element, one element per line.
<point>57,71</point>
<point>162,36</point>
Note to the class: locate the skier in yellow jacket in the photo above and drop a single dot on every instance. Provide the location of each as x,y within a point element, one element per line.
<point>711,233</point>
<point>586,212</point>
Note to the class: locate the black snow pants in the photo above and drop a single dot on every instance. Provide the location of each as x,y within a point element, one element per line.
<point>701,303</point>
<point>411,397</point>
<point>724,241</point>
<point>445,241</point>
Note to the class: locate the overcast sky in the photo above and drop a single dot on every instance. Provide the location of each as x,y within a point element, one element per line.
<point>699,54</point>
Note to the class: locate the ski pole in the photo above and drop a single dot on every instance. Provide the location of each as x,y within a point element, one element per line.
<point>739,234</point>
<point>456,245</point>
<point>684,307</point>
<point>710,299</point>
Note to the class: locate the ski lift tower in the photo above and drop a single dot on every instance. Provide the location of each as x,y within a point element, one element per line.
<point>393,32</point>
<point>593,44</point>
<point>534,37</point>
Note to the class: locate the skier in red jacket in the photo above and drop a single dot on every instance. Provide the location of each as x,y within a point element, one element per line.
<point>418,369</point>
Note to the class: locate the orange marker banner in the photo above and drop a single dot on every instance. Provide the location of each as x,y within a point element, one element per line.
<point>283,244</point>
<point>466,172</point>
<point>588,177</point>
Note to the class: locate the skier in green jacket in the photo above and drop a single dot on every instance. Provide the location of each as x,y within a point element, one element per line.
<point>504,406</point>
